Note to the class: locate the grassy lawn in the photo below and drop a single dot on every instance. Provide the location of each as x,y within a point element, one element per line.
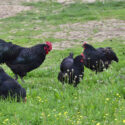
<point>98,99</point>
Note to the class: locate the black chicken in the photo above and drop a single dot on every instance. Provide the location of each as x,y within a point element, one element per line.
<point>98,59</point>
<point>72,70</point>
<point>10,87</point>
<point>22,60</point>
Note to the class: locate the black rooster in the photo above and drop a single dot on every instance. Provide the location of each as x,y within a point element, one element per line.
<point>22,60</point>
<point>72,70</point>
<point>98,59</point>
<point>10,87</point>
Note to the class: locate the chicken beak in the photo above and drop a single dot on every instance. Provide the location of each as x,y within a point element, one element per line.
<point>25,100</point>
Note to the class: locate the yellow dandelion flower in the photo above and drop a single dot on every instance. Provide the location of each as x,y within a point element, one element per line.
<point>13,124</point>
<point>107,99</point>
<point>6,120</point>
<point>98,124</point>
<point>38,97</point>
<point>42,114</point>
<point>40,100</point>
<point>78,122</point>
<point>65,113</point>
<point>60,114</point>
<point>123,121</point>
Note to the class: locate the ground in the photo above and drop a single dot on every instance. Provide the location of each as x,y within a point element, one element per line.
<point>96,31</point>
<point>98,99</point>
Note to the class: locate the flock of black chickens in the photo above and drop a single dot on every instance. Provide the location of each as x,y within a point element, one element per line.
<point>22,60</point>
<point>72,69</point>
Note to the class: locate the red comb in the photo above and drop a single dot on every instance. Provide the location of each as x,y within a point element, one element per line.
<point>49,44</point>
<point>82,54</point>
<point>84,43</point>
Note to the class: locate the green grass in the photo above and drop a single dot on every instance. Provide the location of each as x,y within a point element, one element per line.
<point>98,99</point>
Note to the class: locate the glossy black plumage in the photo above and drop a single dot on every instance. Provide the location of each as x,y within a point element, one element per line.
<point>98,59</point>
<point>71,70</point>
<point>10,87</point>
<point>22,60</point>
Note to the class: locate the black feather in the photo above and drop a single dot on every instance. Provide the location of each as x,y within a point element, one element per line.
<point>21,60</point>
<point>10,87</point>
<point>98,59</point>
<point>8,51</point>
<point>72,70</point>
